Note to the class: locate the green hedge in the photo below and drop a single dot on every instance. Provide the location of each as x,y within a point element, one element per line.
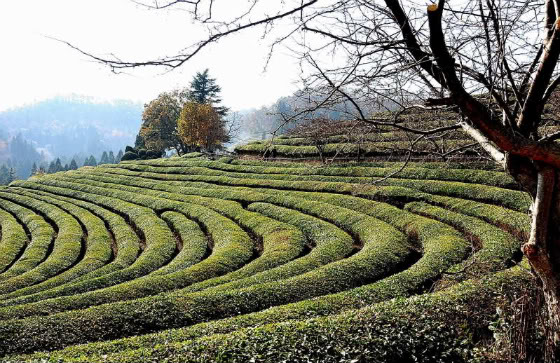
<point>160,243</point>
<point>194,242</point>
<point>233,247</point>
<point>431,328</point>
<point>127,240</point>
<point>282,242</point>
<point>444,172</point>
<point>42,235</point>
<point>375,136</point>
<point>345,149</point>
<point>98,247</point>
<point>316,209</point>
<point>204,305</point>
<point>515,222</point>
<point>13,240</point>
<point>66,250</point>
<point>512,199</point>
<point>466,165</point>
<point>443,247</point>
<point>441,327</point>
<point>128,248</point>
<point>493,248</point>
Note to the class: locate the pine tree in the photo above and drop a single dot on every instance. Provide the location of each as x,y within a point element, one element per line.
<point>92,161</point>
<point>34,169</point>
<point>104,158</point>
<point>58,165</point>
<point>204,90</point>
<point>52,168</point>
<point>111,157</point>
<point>12,175</point>
<point>119,156</point>
<point>73,165</point>
<point>4,175</point>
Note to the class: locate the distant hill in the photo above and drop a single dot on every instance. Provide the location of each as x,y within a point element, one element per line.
<point>67,126</point>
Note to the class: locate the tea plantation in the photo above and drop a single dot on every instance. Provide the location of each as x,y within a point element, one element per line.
<point>188,259</point>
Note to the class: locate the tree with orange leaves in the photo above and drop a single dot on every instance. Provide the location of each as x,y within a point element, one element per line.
<point>201,127</point>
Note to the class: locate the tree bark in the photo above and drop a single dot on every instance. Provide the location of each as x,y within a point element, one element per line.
<point>543,247</point>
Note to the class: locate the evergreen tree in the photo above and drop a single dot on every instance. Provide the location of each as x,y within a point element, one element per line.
<point>66,167</point>
<point>111,157</point>
<point>92,161</point>
<point>140,143</point>
<point>204,90</point>
<point>104,158</point>
<point>12,175</point>
<point>52,168</point>
<point>4,175</point>
<point>34,169</point>
<point>73,165</point>
<point>119,156</point>
<point>58,165</point>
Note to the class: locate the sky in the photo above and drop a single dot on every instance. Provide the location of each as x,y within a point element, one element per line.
<point>34,67</point>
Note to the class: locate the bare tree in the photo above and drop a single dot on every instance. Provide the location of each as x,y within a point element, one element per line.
<point>494,60</point>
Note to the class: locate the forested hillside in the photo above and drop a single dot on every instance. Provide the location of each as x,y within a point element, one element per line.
<point>66,126</point>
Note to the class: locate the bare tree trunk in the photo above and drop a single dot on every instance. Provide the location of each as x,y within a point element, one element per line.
<point>543,247</point>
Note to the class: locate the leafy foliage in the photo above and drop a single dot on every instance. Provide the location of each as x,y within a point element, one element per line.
<point>201,126</point>
<point>159,124</point>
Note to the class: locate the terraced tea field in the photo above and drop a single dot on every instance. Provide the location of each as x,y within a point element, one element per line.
<point>193,260</point>
<point>347,140</point>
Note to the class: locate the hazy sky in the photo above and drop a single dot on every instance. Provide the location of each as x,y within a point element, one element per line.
<point>34,67</point>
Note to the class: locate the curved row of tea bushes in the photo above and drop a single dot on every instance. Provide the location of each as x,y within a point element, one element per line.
<point>415,171</point>
<point>441,243</point>
<point>178,308</point>
<point>497,251</point>
<point>127,241</point>
<point>515,222</point>
<point>98,250</point>
<point>194,243</point>
<point>128,247</point>
<point>383,252</point>
<point>389,214</point>
<point>282,242</point>
<point>13,241</point>
<point>371,136</point>
<point>429,328</point>
<point>233,248</point>
<point>470,165</point>
<point>508,198</point>
<point>321,306</point>
<point>319,255</point>
<point>42,234</point>
<point>305,309</point>
<point>66,250</point>
<point>206,305</point>
<point>343,149</point>
<point>160,243</point>
<point>326,243</point>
